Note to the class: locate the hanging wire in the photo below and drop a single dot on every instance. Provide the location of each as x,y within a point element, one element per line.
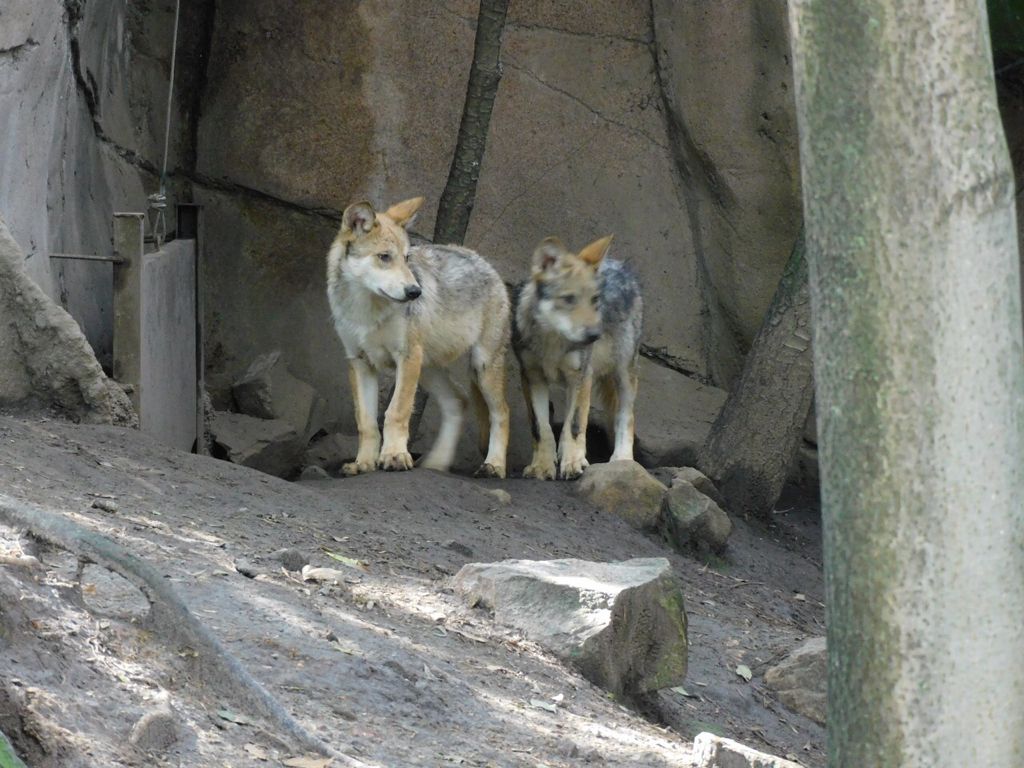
<point>158,200</point>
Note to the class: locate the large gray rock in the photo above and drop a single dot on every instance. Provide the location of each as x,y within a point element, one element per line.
<point>44,358</point>
<point>624,488</point>
<point>692,521</point>
<point>273,446</point>
<point>710,751</point>
<point>800,680</point>
<point>267,390</point>
<point>623,625</point>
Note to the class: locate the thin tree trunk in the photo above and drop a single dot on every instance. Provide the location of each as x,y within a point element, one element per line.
<point>914,275</point>
<point>752,443</point>
<point>456,204</point>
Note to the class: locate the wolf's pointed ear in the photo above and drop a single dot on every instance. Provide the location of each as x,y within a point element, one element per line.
<point>548,254</point>
<point>358,218</point>
<point>404,213</point>
<point>596,251</point>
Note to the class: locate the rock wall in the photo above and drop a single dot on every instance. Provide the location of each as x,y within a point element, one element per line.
<point>306,108</point>
<point>83,88</point>
<point>668,124</point>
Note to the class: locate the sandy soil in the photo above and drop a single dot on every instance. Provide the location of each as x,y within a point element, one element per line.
<point>388,665</point>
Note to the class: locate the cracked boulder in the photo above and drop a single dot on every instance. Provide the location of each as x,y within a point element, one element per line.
<point>273,446</point>
<point>800,680</point>
<point>44,358</point>
<point>268,390</point>
<point>691,521</point>
<point>622,625</point>
<point>624,488</point>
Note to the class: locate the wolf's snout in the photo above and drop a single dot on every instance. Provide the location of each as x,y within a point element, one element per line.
<point>592,334</point>
<point>413,292</point>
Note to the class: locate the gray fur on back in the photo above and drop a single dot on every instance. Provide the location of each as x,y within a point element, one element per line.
<point>460,277</point>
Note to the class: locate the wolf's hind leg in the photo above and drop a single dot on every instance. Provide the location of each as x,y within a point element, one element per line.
<point>489,373</point>
<point>394,455</point>
<point>626,383</point>
<point>363,381</point>
<point>452,403</point>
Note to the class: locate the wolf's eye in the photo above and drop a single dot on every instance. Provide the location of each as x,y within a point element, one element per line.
<point>568,299</point>
<point>593,300</point>
<point>384,257</point>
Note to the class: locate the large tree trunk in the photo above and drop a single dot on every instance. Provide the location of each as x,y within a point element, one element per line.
<point>752,443</point>
<point>456,204</point>
<point>914,273</point>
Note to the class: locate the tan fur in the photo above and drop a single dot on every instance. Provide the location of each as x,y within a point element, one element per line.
<point>374,286</point>
<point>563,339</point>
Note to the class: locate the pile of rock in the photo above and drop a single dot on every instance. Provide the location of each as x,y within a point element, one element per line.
<point>688,512</point>
<point>275,419</point>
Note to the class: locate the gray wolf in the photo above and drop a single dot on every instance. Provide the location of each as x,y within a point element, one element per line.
<point>416,310</point>
<point>577,322</point>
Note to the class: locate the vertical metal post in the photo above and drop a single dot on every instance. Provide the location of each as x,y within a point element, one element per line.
<point>129,234</point>
<point>189,217</point>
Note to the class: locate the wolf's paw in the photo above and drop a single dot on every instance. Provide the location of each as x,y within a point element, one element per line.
<point>358,467</point>
<point>490,470</point>
<point>395,462</point>
<point>540,470</point>
<point>573,467</point>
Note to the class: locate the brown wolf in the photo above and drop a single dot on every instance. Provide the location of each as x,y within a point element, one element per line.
<point>577,321</point>
<point>416,311</point>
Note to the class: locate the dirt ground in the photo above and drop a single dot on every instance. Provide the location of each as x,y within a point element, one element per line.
<point>388,666</point>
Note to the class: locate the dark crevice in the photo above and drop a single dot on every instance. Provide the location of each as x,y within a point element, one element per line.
<point>694,170</point>
<point>16,50</point>
<point>200,69</point>
<point>666,359</point>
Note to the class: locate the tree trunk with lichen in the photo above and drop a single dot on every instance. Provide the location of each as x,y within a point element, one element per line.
<point>914,275</point>
<point>456,204</point>
<point>751,445</point>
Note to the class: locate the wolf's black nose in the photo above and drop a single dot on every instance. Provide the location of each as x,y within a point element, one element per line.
<point>413,291</point>
<point>593,334</point>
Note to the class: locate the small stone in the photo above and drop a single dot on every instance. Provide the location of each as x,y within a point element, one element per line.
<point>291,559</point>
<point>503,496</point>
<point>459,547</point>
<point>105,505</point>
<point>156,731</point>
<point>313,472</point>
<point>700,481</point>
<point>692,521</point>
<point>245,568</point>
<point>568,748</point>
<point>624,488</point>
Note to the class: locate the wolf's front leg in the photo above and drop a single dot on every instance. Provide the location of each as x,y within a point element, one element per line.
<point>394,455</point>
<point>363,380</point>
<point>542,467</point>
<point>572,444</point>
